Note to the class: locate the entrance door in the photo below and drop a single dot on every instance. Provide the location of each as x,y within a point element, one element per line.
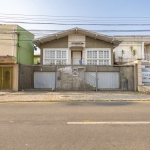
<point>76,57</point>
<point>5,77</point>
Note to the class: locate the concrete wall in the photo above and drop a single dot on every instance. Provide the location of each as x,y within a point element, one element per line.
<point>26,74</point>
<point>144,89</point>
<point>8,40</point>
<point>25,49</point>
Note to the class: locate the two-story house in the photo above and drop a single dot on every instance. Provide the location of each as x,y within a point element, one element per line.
<point>16,47</point>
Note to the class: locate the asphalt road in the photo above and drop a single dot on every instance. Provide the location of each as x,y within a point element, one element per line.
<point>75,126</point>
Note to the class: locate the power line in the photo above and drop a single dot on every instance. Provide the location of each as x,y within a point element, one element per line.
<point>40,31</point>
<point>99,24</point>
<point>72,16</point>
<point>70,19</point>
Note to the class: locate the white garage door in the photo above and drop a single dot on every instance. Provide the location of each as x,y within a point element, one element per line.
<point>44,80</point>
<point>108,80</point>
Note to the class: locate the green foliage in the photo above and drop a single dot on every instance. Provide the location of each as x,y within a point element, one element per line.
<point>133,51</point>
<point>122,52</point>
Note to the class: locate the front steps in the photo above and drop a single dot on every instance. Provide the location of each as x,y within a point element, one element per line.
<point>67,80</point>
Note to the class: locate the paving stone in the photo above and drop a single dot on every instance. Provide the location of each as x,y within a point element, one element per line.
<point>73,96</point>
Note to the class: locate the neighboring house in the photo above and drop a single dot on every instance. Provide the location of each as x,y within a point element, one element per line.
<point>15,48</point>
<point>36,59</point>
<point>131,48</point>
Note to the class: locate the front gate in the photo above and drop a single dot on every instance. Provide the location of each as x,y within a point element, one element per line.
<point>5,77</point>
<point>146,75</point>
<point>44,80</point>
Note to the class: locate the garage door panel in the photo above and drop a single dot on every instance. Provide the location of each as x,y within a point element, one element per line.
<point>44,80</point>
<point>108,80</point>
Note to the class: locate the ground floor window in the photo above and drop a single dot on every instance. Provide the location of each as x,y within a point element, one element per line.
<point>54,57</point>
<point>98,57</point>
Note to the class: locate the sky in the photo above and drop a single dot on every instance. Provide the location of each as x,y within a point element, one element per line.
<point>87,9</point>
<point>82,11</point>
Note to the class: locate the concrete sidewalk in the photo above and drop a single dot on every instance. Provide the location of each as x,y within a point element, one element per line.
<point>46,96</point>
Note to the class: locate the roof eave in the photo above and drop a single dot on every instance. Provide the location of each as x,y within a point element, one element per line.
<point>61,34</point>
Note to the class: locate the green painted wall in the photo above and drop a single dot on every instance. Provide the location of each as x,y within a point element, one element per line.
<point>25,48</point>
<point>36,58</point>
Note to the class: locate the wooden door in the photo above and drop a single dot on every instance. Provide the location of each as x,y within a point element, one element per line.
<point>6,77</point>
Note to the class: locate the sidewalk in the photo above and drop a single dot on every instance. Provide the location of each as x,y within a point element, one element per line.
<point>46,96</point>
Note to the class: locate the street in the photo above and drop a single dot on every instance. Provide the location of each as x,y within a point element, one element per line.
<point>75,126</point>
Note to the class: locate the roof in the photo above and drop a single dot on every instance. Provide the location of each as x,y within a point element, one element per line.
<point>76,30</point>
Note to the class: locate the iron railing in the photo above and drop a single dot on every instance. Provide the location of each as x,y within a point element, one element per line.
<point>90,79</point>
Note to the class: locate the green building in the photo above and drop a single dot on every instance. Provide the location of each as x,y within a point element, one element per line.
<point>16,47</point>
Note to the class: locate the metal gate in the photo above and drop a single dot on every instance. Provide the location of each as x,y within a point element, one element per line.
<point>44,80</point>
<point>5,77</point>
<point>146,75</point>
<point>108,80</point>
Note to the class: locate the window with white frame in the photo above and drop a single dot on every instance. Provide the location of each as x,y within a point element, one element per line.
<point>99,57</point>
<point>54,57</point>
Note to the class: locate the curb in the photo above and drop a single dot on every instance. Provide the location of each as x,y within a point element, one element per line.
<point>33,101</point>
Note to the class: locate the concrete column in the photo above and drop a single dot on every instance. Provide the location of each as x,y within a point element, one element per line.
<point>83,57</point>
<point>15,77</point>
<point>96,79</point>
<point>56,77</point>
<point>139,72</point>
<point>143,50</point>
<point>135,77</point>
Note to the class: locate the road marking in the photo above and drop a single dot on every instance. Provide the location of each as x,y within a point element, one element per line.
<point>113,123</point>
